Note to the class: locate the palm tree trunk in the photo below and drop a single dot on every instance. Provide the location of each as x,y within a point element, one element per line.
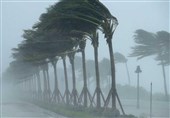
<point>74,92</point>
<point>97,77</point>
<point>55,75</point>
<point>127,72</point>
<point>164,76</point>
<point>84,77</point>
<point>66,80</point>
<point>34,86</point>
<point>31,84</point>
<point>45,84</point>
<point>48,84</point>
<point>85,92</point>
<point>113,88</point>
<point>74,76</point>
<point>39,85</point>
<point>56,92</point>
<point>25,86</point>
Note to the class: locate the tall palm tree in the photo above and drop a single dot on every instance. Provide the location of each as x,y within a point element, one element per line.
<point>110,27</point>
<point>47,89</point>
<point>85,91</point>
<point>153,44</point>
<point>71,56</point>
<point>38,82</point>
<point>120,58</point>
<point>67,92</point>
<point>56,94</point>
<point>98,91</point>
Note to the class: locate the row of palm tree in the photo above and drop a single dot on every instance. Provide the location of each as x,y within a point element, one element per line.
<point>61,31</point>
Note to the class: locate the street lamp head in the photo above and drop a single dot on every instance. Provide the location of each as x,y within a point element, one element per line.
<point>138,70</point>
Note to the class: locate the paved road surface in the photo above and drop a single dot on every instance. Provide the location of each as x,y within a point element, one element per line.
<point>22,109</point>
<point>12,107</point>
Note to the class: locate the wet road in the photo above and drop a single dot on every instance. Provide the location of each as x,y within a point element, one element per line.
<point>22,109</point>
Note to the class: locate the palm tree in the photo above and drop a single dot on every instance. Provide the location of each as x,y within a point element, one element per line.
<point>38,82</point>
<point>67,92</point>
<point>98,91</point>
<point>71,56</point>
<point>163,56</point>
<point>153,44</point>
<point>85,92</point>
<point>47,90</point>
<point>56,93</point>
<point>120,58</point>
<point>109,30</point>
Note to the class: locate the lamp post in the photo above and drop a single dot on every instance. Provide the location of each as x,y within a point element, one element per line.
<point>138,70</point>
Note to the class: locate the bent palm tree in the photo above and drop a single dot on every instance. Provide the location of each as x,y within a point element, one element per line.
<point>120,58</point>
<point>153,44</point>
<point>85,92</point>
<point>71,56</point>
<point>56,92</point>
<point>98,91</point>
<point>67,92</point>
<point>110,27</point>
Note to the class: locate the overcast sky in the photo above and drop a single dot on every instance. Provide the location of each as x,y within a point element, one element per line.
<point>151,16</point>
